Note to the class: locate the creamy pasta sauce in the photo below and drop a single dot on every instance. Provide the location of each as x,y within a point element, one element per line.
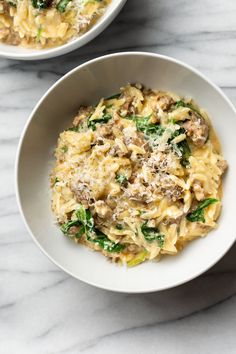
<point>138,175</point>
<point>47,23</point>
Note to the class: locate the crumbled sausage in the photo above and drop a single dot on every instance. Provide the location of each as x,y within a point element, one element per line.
<point>127,108</point>
<point>171,221</point>
<point>82,193</point>
<point>138,191</point>
<point>171,191</point>
<point>119,149</point>
<point>133,97</point>
<point>197,129</point>
<point>74,230</point>
<point>222,164</point>
<point>163,162</point>
<point>165,102</point>
<point>105,130</point>
<point>132,248</point>
<point>168,188</point>
<point>83,114</point>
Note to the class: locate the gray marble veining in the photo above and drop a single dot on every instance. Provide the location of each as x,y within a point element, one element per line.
<point>42,309</point>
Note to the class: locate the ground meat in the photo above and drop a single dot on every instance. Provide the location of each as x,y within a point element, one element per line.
<point>74,230</point>
<point>13,38</point>
<point>197,129</point>
<point>169,188</point>
<point>134,140</point>
<point>138,192</point>
<point>133,249</point>
<point>104,131</point>
<point>115,151</point>
<point>170,221</point>
<point>127,108</point>
<point>133,96</point>
<point>165,102</point>
<point>7,34</point>
<point>163,162</point>
<point>173,192</point>
<point>82,194</point>
<point>83,114</point>
<point>5,7</point>
<point>4,33</point>
<point>222,164</point>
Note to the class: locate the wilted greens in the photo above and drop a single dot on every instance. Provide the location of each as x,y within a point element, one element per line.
<point>61,6</point>
<point>85,222</point>
<point>143,125</point>
<point>41,4</point>
<point>104,119</point>
<point>198,213</point>
<point>182,148</point>
<point>121,179</point>
<point>153,234</point>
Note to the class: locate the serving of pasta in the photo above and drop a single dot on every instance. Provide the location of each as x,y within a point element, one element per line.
<point>138,175</point>
<point>47,23</point>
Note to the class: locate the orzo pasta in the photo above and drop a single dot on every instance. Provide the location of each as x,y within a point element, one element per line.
<point>138,175</point>
<point>47,23</point>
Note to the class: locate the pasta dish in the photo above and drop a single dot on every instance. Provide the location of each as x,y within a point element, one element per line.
<point>47,23</point>
<point>138,175</point>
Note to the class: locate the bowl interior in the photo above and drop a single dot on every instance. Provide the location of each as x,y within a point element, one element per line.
<point>16,52</point>
<point>85,85</point>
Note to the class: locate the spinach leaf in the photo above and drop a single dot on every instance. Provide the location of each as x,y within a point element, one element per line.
<point>180,103</point>
<point>56,180</point>
<point>41,4</point>
<point>64,148</point>
<point>85,218</point>
<point>182,148</point>
<point>105,243</point>
<point>185,151</point>
<point>117,95</point>
<point>152,234</point>
<point>86,223</point>
<point>143,125</point>
<point>119,226</point>
<point>12,3</point>
<point>61,6</point>
<point>121,179</point>
<point>65,228</point>
<point>141,212</point>
<point>198,213</point>
<point>187,105</point>
<point>74,129</point>
<point>104,119</point>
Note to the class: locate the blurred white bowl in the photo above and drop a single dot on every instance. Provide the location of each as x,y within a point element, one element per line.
<point>85,84</point>
<point>15,52</point>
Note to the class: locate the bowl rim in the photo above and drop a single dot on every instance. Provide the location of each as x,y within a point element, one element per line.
<point>70,46</point>
<point>16,181</point>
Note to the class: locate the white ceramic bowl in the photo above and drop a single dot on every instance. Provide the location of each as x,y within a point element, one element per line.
<point>85,84</point>
<point>14,52</point>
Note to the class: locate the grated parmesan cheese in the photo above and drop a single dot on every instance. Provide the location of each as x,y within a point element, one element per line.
<point>130,177</point>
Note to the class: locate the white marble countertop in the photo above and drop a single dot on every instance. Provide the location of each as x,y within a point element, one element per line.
<point>42,309</point>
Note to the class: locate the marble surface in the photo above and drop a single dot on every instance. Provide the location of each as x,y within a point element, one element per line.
<point>42,309</point>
